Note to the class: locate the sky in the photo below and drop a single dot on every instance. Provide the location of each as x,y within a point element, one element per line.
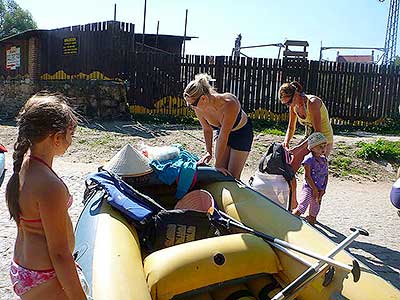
<point>216,23</point>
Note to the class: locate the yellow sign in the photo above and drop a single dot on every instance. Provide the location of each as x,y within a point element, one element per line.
<point>70,46</point>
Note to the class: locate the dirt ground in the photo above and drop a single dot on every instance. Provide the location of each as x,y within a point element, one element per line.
<point>351,200</point>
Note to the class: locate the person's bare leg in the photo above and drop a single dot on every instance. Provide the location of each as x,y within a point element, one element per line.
<point>237,161</point>
<point>50,290</point>
<point>293,192</point>
<point>298,154</point>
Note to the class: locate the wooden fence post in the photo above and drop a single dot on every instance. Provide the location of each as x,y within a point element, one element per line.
<point>219,73</point>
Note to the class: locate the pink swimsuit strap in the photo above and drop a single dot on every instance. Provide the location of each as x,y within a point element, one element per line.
<point>70,198</point>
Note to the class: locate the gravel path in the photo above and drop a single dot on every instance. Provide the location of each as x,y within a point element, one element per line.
<point>346,204</point>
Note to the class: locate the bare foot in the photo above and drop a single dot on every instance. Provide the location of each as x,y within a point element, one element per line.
<point>311,220</point>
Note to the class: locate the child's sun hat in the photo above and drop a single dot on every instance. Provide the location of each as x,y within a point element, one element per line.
<point>315,139</point>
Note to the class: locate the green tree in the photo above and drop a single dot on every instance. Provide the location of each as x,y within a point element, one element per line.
<point>396,60</point>
<point>14,19</point>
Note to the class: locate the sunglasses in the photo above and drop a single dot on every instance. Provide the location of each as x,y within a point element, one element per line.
<point>290,100</point>
<point>194,103</point>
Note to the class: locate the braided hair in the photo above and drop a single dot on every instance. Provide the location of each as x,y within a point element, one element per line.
<point>43,114</point>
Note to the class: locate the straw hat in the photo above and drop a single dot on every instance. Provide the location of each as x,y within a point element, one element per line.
<point>129,162</point>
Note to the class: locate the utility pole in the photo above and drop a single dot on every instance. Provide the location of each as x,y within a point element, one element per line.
<point>158,26</point>
<point>184,35</point>
<point>115,11</point>
<point>144,23</point>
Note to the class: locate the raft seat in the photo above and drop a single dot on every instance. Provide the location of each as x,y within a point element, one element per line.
<point>178,269</point>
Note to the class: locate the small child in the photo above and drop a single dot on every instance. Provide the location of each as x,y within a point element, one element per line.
<point>316,177</point>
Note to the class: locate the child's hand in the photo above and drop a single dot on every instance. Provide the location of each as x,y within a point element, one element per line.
<point>320,194</point>
<point>315,194</point>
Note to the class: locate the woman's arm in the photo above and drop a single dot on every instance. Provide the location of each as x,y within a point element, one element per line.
<point>229,115</point>
<point>315,109</point>
<point>291,127</point>
<point>208,138</point>
<point>54,215</point>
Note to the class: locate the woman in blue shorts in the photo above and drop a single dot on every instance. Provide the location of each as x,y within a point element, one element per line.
<point>223,113</point>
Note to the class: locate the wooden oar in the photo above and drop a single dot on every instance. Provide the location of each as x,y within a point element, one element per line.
<point>217,216</point>
<point>317,268</point>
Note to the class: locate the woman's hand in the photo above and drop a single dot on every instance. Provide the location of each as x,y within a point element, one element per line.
<point>223,171</point>
<point>205,159</point>
<point>285,145</point>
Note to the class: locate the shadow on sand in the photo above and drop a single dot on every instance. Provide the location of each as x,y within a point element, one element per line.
<point>130,127</point>
<point>391,258</point>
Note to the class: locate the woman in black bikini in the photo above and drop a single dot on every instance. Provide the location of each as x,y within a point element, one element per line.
<point>223,113</point>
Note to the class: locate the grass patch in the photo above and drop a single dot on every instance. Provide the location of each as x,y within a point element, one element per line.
<point>342,165</point>
<point>273,131</point>
<point>380,150</point>
<point>387,126</point>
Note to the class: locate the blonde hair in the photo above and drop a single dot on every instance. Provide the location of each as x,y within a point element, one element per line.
<point>289,88</point>
<point>199,86</point>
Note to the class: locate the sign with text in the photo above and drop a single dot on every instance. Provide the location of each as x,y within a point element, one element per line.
<point>13,57</point>
<point>70,46</point>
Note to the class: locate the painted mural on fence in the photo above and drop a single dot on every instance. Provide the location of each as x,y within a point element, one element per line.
<point>61,75</point>
<point>176,106</point>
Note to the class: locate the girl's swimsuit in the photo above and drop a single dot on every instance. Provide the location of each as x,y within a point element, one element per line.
<point>242,138</point>
<point>24,279</point>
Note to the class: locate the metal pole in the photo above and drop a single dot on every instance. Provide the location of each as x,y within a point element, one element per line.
<point>144,23</point>
<point>184,35</point>
<point>158,26</point>
<point>320,52</point>
<point>115,12</point>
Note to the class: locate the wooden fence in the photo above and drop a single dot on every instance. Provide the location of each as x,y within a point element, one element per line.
<point>351,91</point>
<point>102,50</point>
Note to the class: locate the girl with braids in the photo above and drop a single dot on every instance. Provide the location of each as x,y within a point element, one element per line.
<point>311,112</point>
<point>38,200</point>
<point>223,113</point>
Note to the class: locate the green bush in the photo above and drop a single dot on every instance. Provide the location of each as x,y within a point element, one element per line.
<point>381,149</point>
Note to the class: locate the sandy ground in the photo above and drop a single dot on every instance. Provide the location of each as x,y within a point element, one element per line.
<point>360,202</point>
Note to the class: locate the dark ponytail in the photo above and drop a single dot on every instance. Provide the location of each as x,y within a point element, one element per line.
<point>12,190</point>
<point>297,86</point>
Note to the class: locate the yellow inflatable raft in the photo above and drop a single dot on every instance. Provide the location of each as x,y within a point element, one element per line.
<point>236,266</point>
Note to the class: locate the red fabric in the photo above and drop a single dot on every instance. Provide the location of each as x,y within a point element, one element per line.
<point>200,200</point>
<point>2,148</point>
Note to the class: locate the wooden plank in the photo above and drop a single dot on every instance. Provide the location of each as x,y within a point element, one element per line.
<point>259,84</point>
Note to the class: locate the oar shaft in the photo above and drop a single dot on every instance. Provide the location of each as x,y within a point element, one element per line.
<point>314,270</point>
<point>274,241</point>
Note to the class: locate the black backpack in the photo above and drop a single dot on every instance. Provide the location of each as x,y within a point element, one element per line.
<point>276,161</point>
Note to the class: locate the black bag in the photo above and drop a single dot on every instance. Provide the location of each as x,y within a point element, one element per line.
<point>173,227</point>
<point>276,161</point>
